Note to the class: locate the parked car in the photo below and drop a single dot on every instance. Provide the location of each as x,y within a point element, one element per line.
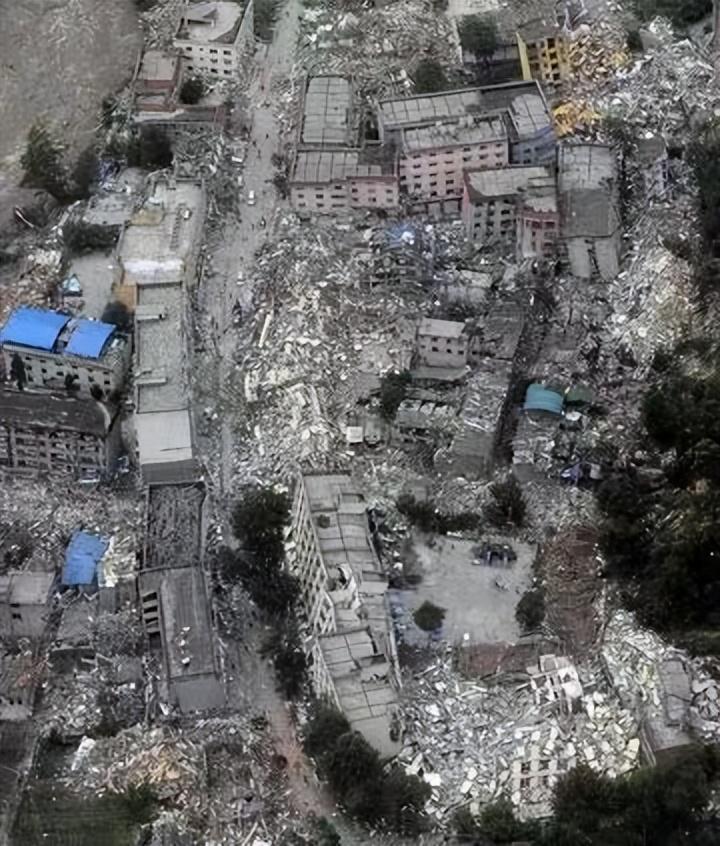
<point>251,198</point>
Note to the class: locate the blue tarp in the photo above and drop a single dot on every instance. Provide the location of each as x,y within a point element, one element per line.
<point>538,398</point>
<point>89,337</point>
<point>33,327</point>
<point>82,556</point>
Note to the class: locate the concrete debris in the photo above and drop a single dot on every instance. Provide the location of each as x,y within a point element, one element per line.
<point>477,742</point>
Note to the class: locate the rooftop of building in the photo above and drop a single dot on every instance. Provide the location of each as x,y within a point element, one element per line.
<point>529,114</point>
<point>362,681</point>
<point>441,328</point>
<point>313,166</point>
<point>188,634</point>
<point>158,65</point>
<point>211,22</point>
<point>505,181</point>
<point>26,587</point>
<point>160,237</point>
<point>160,379</point>
<point>54,411</point>
<point>326,111</point>
<point>399,112</point>
<point>164,437</point>
<point>61,334</point>
<point>468,130</point>
<point>587,188</point>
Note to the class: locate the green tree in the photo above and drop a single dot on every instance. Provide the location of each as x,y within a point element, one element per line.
<point>429,76</point>
<point>325,726</point>
<point>82,237</point>
<point>17,371</point>
<point>479,35</point>
<point>429,617</point>
<point>680,12</point>
<point>85,172</point>
<point>192,90</point>
<point>150,149</point>
<point>393,390</point>
<point>118,314</point>
<point>284,647</point>
<point>530,610</point>
<point>42,162</point>
<point>259,518</point>
<point>352,762</point>
<point>507,505</point>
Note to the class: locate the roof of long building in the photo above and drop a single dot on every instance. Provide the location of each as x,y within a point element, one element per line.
<point>54,411</point>
<point>51,331</point>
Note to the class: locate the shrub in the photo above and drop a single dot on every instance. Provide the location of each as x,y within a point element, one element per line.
<point>192,90</point>
<point>530,610</point>
<point>429,76</point>
<point>393,390</point>
<point>508,503</point>
<point>429,617</point>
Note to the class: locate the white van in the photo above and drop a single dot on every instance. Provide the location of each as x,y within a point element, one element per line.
<point>251,198</point>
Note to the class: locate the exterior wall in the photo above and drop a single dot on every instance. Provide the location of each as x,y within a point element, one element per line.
<point>15,706</point>
<point>438,173</point>
<point>535,149</point>
<point>655,177</point>
<point>443,352</point>
<point>60,451</point>
<point>356,193</point>
<point>23,620</point>
<point>43,367</point>
<point>309,568</point>
<point>489,220</point>
<point>544,59</point>
<point>537,234</point>
<point>594,257</point>
<point>368,193</point>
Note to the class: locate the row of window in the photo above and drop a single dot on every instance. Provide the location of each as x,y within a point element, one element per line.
<point>189,49</point>
<point>213,70</point>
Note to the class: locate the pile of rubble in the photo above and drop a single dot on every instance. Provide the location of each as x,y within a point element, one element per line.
<point>475,742</point>
<point>167,761</point>
<point>653,303</point>
<point>377,46</point>
<point>596,53</point>
<point>318,325</point>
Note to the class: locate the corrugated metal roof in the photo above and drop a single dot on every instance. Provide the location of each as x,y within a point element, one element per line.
<point>539,398</point>
<point>82,556</point>
<point>89,337</point>
<point>33,327</point>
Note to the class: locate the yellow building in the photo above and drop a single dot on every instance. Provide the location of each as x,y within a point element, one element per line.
<point>542,49</point>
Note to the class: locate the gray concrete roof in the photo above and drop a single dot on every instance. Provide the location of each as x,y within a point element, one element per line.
<point>399,112</point>
<point>440,328</point>
<point>188,635</point>
<point>164,437</point>
<point>326,112</point>
<point>503,182</point>
<point>160,238</point>
<point>210,22</point>
<point>45,410</point>
<point>160,379</point>
<point>588,191</point>
<point>454,134</point>
<point>315,166</point>
<point>158,65</point>
<point>26,587</point>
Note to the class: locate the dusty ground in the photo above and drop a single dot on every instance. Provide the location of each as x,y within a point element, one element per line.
<point>59,58</point>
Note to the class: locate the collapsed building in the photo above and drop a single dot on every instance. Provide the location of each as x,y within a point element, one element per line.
<point>24,602</point>
<point>343,590</point>
<point>590,210</point>
<point>213,37</point>
<point>159,256</point>
<point>516,205</point>
<point>44,431</point>
<point>47,348</point>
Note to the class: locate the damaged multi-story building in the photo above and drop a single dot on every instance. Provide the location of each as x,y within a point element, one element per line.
<point>439,135</point>
<point>331,172</point>
<point>213,37</point>
<point>46,348</point>
<point>159,258</point>
<point>25,602</point>
<point>590,210</point>
<point>445,343</point>
<point>343,588</point>
<point>513,205</point>
<point>49,432</point>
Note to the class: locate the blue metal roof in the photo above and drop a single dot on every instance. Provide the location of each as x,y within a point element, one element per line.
<point>82,556</point>
<point>89,337</point>
<point>33,327</point>
<point>538,398</point>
